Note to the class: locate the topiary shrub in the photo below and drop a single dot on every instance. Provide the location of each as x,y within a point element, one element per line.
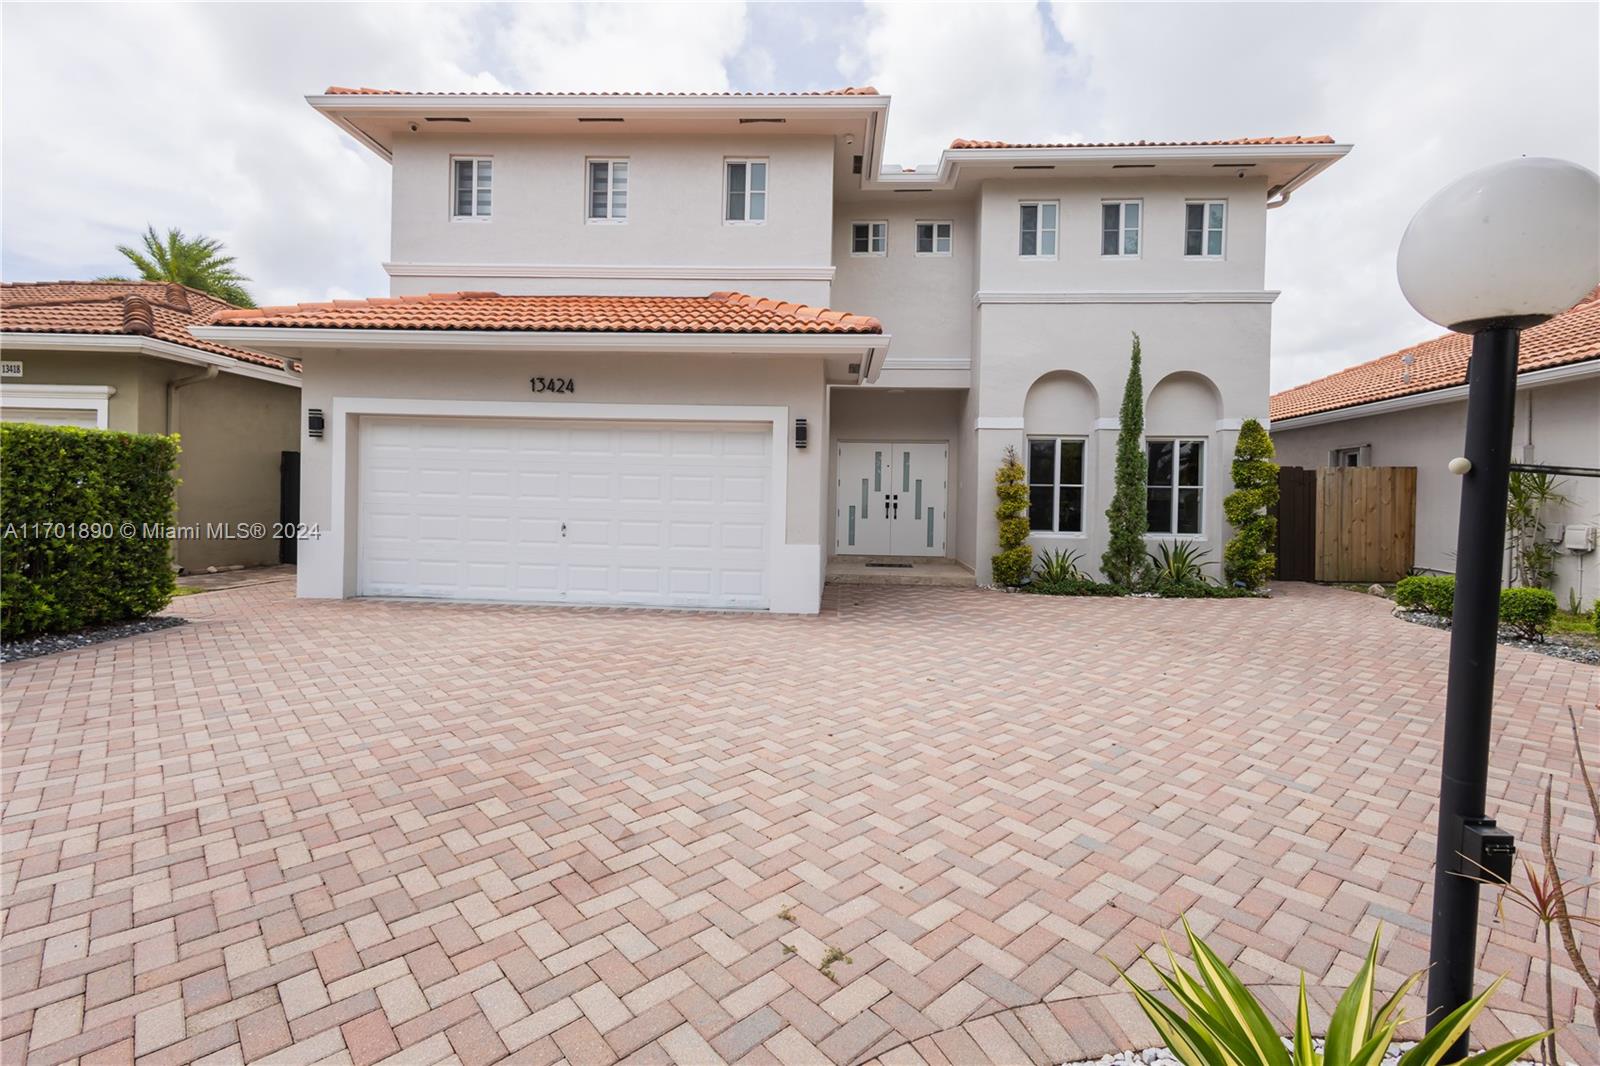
<point>85,515</point>
<point>1528,611</point>
<point>1427,592</point>
<point>1014,561</point>
<point>1248,558</point>
<point>1123,562</point>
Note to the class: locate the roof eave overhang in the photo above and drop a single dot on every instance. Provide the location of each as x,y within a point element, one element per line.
<point>1586,368</point>
<point>294,342</point>
<point>134,344</point>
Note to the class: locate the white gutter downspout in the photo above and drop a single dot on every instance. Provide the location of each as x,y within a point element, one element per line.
<point>182,383</point>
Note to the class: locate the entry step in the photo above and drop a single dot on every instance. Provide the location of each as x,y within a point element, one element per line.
<point>896,570</point>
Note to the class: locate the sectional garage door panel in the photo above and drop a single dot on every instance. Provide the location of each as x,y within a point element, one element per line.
<point>556,512</point>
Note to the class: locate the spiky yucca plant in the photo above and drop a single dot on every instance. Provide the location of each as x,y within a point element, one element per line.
<point>1222,1024</point>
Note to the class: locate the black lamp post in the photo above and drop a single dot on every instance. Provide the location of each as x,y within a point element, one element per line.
<point>1498,251</point>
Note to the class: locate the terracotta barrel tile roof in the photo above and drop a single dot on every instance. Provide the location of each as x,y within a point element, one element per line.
<point>721,312</point>
<point>848,90</point>
<point>961,142</point>
<point>156,309</point>
<point>1570,337</point>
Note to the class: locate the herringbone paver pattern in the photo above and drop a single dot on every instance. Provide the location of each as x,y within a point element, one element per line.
<point>376,832</point>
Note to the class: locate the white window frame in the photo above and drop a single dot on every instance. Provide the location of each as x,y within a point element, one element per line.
<point>766,191</point>
<point>1175,485</point>
<point>1057,486</point>
<point>1206,230</point>
<point>475,160</point>
<point>949,237</point>
<point>877,233</point>
<point>1122,229</point>
<point>610,218</point>
<point>1361,452</point>
<point>96,398</point>
<point>1054,231</point>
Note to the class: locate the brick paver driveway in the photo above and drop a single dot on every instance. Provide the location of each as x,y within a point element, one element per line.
<point>324,831</point>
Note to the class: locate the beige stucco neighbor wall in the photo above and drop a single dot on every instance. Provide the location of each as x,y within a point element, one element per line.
<point>794,383</point>
<point>869,414</point>
<point>1560,421</point>
<point>233,429</point>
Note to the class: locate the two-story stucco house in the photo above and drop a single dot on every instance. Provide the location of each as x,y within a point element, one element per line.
<point>570,396</point>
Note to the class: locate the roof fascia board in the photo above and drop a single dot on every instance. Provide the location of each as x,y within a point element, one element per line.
<point>154,347</point>
<point>1532,379</point>
<point>279,338</point>
<point>408,102</point>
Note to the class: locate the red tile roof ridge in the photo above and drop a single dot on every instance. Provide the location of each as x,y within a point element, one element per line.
<point>848,90</point>
<point>173,295</point>
<point>1239,142</point>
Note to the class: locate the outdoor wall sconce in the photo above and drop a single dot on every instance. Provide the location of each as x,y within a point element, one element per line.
<point>800,434</point>
<point>314,422</point>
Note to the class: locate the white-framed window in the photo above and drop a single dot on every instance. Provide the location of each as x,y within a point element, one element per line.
<point>1055,484</point>
<point>471,179</point>
<point>1357,456</point>
<point>935,238</point>
<point>869,238</point>
<point>1037,223</point>
<point>745,183</point>
<point>1120,223</point>
<point>85,406</point>
<point>1204,226</point>
<point>1175,486</point>
<point>608,190</point>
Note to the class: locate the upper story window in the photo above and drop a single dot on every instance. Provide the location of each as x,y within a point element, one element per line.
<point>1203,226</point>
<point>472,180</point>
<point>747,190</point>
<point>1055,484</point>
<point>934,238</point>
<point>1038,226</point>
<point>608,190</point>
<point>1120,222</point>
<point>869,238</point>
<point>1175,487</point>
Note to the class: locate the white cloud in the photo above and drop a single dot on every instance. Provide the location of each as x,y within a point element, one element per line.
<point>619,47</point>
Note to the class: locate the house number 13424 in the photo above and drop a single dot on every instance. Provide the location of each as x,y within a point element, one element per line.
<point>552,385</point>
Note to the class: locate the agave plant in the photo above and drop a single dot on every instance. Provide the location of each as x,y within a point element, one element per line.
<point>1059,566</point>
<point>1176,565</point>
<point>1224,1025</point>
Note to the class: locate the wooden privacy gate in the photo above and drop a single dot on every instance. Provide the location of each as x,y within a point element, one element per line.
<point>1346,523</point>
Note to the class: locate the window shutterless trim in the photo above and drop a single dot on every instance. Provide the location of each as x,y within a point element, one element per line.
<point>1056,484</point>
<point>1123,229</point>
<point>1206,230</point>
<point>877,230</point>
<point>1175,486</point>
<point>1039,229</point>
<point>950,238</point>
<point>476,187</point>
<point>610,218</point>
<point>766,189</point>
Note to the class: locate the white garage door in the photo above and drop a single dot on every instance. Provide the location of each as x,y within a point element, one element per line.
<point>562,512</point>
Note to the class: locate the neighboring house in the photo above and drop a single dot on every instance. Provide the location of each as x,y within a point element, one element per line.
<point>1409,408</point>
<point>119,355</point>
<point>587,411</point>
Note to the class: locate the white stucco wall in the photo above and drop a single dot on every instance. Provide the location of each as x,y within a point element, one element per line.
<point>1561,421</point>
<point>675,209</point>
<point>792,383</point>
<point>924,302</point>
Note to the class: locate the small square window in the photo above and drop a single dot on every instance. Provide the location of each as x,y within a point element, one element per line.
<point>746,181</point>
<point>1038,229</point>
<point>471,183</point>
<point>608,190</point>
<point>869,238</point>
<point>1204,223</point>
<point>1120,222</point>
<point>934,238</point>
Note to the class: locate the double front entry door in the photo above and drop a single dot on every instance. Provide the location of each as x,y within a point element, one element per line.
<point>891,499</point>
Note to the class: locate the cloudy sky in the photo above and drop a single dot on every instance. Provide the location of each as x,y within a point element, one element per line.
<point>192,116</point>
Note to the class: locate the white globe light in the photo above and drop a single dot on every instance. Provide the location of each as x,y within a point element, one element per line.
<point>1512,244</point>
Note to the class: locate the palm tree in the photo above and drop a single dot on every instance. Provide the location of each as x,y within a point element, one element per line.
<point>197,262</point>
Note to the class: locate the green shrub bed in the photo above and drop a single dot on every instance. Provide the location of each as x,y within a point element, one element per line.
<point>85,515</point>
<point>1528,611</point>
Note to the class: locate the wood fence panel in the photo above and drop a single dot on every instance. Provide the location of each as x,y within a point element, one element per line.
<point>1297,524</point>
<point>1365,523</point>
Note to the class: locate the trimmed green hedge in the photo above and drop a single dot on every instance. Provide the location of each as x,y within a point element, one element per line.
<point>1528,611</point>
<point>75,505</point>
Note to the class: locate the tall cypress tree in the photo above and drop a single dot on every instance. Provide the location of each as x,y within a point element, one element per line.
<point>1124,559</point>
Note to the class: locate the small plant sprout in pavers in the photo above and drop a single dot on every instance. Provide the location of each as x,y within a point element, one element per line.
<point>787,915</point>
<point>832,956</point>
